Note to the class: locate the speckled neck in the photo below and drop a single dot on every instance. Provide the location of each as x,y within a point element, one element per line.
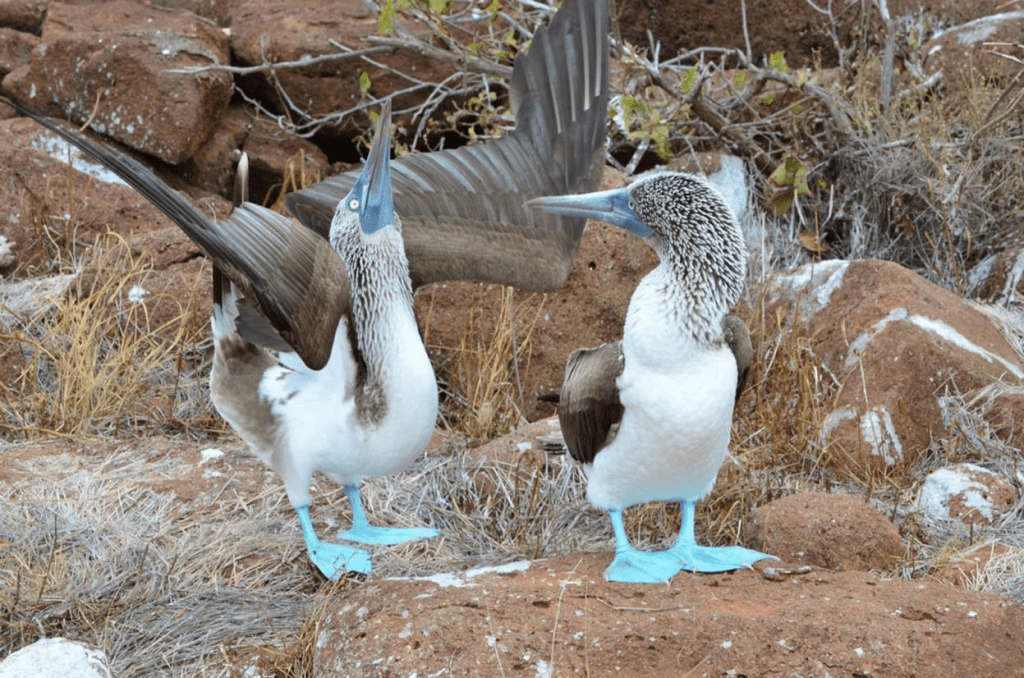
<point>381,299</point>
<point>703,256</point>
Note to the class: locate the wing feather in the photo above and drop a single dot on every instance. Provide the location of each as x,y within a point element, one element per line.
<point>589,409</point>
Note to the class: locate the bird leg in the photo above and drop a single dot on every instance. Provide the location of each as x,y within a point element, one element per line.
<point>363,532</point>
<point>637,567</point>
<point>696,558</point>
<point>331,559</point>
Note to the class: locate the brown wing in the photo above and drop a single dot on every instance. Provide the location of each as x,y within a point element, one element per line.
<point>589,409</point>
<point>290,275</point>
<point>462,210</point>
<point>737,336</point>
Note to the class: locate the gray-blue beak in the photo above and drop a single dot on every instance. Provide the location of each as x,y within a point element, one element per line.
<point>372,190</point>
<point>614,207</point>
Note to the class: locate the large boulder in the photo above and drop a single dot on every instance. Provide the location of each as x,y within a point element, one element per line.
<point>120,68</point>
<point>894,343</point>
<point>965,55</point>
<point>833,531</point>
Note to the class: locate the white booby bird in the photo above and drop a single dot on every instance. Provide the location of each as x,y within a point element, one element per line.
<point>371,409</point>
<point>462,218</point>
<point>650,416</point>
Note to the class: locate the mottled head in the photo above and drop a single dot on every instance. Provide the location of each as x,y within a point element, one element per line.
<point>369,203</point>
<point>684,220</point>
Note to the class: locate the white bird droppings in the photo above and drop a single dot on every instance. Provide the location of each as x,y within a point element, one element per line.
<point>209,454</point>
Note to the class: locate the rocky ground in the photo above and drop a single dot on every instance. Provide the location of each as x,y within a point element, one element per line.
<point>897,518</point>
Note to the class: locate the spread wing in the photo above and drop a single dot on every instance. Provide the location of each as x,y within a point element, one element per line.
<point>462,209</point>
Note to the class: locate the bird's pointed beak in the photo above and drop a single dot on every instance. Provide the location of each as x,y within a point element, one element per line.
<point>613,207</point>
<point>372,189</point>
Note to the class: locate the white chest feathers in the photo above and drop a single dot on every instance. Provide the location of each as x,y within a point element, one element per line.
<point>321,420</point>
<point>678,397</point>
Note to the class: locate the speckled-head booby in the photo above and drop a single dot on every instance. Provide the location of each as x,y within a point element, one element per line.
<point>371,410</point>
<point>288,290</point>
<point>650,416</point>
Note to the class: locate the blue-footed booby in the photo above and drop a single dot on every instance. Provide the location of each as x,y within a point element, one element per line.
<point>650,416</point>
<point>287,290</point>
<point>371,410</point>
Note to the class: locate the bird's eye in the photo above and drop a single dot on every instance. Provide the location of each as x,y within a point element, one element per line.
<point>353,204</point>
<point>632,204</point>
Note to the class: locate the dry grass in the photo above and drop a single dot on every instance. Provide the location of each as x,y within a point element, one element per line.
<point>100,557</point>
<point>166,587</point>
<point>483,375</point>
<point>97,363</point>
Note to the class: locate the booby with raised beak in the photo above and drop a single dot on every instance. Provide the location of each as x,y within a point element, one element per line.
<point>285,288</point>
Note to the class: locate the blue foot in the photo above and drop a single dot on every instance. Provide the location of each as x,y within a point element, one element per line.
<point>335,560</point>
<point>695,558</point>
<point>332,560</point>
<point>637,567</point>
<point>641,567</point>
<point>386,536</point>
<point>363,532</point>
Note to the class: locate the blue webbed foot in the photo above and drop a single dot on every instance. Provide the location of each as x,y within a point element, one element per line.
<point>332,560</point>
<point>335,560</point>
<point>696,558</point>
<point>386,536</point>
<point>637,567</point>
<point>364,533</point>
<point>641,567</point>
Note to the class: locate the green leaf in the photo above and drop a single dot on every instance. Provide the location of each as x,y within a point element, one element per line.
<point>661,144</point>
<point>364,82</point>
<point>793,173</point>
<point>689,80</point>
<point>777,60</point>
<point>494,8</point>
<point>386,24</point>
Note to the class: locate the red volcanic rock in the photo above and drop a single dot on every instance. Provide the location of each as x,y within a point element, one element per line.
<point>832,531</point>
<point>115,69</point>
<point>895,342</point>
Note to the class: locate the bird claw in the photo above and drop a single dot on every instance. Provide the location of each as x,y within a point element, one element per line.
<point>386,536</point>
